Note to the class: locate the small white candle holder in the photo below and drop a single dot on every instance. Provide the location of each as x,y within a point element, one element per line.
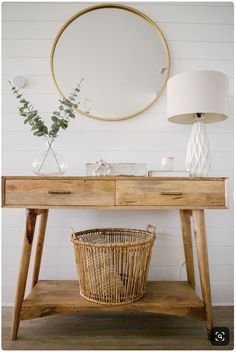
<point>167,163</point>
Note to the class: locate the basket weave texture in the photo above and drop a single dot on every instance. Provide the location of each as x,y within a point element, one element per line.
<point>112,263</point>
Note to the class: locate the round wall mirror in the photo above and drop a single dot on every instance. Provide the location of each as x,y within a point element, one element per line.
<point>121,55</point>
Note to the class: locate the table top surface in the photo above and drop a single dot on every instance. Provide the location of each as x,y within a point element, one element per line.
<point>187,178</point>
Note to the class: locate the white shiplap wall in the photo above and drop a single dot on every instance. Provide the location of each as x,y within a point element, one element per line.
<point>200,36</point>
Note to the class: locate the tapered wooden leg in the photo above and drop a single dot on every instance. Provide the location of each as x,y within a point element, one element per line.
<point>39,246</point>
<point>188,247</point>
<point>31,216</point>
<point>201,244</point>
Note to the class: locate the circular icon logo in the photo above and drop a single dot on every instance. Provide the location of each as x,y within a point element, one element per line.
<point>220,336</point>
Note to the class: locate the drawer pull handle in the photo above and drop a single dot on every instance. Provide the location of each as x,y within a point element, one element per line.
<point>59,192</point>
<point>171,193</point>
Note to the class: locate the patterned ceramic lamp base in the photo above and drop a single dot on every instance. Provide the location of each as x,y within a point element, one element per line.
<point>198,160</point>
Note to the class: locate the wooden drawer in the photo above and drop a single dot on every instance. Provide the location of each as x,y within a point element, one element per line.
<point>183,193</point>
<point>58,192</point>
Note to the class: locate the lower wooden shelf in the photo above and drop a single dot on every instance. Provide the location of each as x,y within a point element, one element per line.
<point>58,297</point>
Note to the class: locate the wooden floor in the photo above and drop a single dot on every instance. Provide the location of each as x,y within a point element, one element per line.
<point>114,331</point>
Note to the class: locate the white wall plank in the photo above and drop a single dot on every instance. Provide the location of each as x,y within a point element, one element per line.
<point>168,255</point>
<point>23,48</point>
<point>201,50</point>
<point>156,272</point>
<point>131,140</point>
<point>171,30</point>
<point>197,32</point>
<point>171,236</point>
<point>164,12</point>
<point>41,67</point>
<point>49,102</point>
<point>34,85</point>
<point>153,122</point>
<point>78,158</point>
<point>183,65</point>
<point>178,49</point>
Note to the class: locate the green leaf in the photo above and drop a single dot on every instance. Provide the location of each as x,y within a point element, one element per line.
<point>56,113</point>
<point>55,127</point>
<point>27,120</point>
<point>35,127</point>
<point>38,133</point>
<point>33,113</point>
<point>67,103</point>
<point>64,124</point>
<point>54,119</point>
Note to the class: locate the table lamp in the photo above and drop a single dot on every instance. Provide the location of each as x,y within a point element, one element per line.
<point>197,98</point>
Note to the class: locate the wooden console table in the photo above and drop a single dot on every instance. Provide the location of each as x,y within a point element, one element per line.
<point>190,195</point>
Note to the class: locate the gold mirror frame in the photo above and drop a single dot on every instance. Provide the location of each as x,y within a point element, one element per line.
<point>121,7</point>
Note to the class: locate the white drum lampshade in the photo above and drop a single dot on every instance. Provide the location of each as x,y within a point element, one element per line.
<point>197,98</point>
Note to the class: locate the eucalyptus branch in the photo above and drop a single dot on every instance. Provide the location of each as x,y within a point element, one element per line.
<point>60,118</point>
<point>29,114</point>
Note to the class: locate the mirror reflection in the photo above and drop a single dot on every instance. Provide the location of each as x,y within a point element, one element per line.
<point>122,56</point>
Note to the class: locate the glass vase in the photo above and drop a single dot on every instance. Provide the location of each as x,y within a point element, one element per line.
<point>49,162</point>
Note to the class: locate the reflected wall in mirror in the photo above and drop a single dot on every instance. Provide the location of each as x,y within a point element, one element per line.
<point>122,56</point>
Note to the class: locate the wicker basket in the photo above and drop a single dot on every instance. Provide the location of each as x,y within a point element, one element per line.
<point>112,263</point>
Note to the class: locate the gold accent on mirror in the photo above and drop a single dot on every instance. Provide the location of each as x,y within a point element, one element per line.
<point>131,10</point>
